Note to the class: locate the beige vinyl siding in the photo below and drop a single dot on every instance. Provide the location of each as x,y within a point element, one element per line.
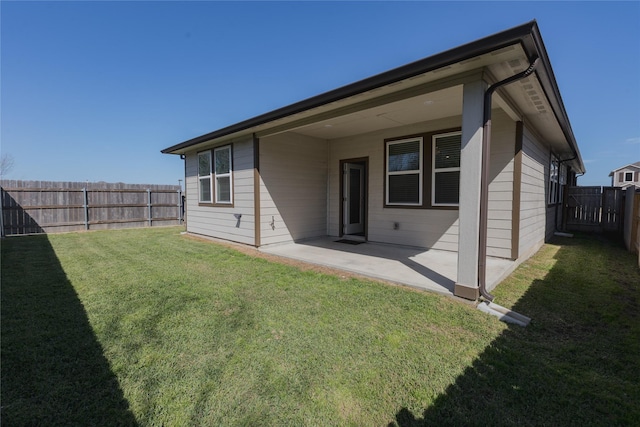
<point>429,228</point>
<point>221,222</point>
<point>293,188</point>
<point>503,137</point>
<point>533,202</point>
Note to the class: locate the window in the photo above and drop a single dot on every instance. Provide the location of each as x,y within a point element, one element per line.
<point>554,174</point>
<point>423,176</point>
<point>214,176</point>
<point>204,177</point>
<point>404,172</point>
<point>222,161</point>
<point>628,176</point>
<point>562,180</point>
<point>557,180</point>
<point>445,183</point>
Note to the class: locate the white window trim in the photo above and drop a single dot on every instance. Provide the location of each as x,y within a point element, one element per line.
<point>434,170</point>
<point>410,172</point>
<point>223,175</point>
<point>625,176</point>
<point>554,181</point>
<point>205,177</point>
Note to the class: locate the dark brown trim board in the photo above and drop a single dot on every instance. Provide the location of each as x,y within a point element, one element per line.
<point>256,191</point>
<point>217,205</point>
<point>467,293</point>
<point>184,194</point>
<point>517,188</point>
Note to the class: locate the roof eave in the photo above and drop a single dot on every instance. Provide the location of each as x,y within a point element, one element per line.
<point>443,59</point>
<point>534,45</point>
<point>635,165</point>
<point>527,35</point>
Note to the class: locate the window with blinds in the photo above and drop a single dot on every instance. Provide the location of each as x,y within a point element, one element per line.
<point>445,182</point>
<point>404,172</point>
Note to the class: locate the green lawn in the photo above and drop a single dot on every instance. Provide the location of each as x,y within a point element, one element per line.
<point>149,327</point>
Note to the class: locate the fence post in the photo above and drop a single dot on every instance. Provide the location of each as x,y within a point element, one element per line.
<point>86,208</point>
<point>1,212</point>
<point>149,205</point>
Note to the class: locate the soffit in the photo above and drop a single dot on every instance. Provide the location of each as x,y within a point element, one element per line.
<point>399,103</point>
<point>533,104</point>
<point>523,100</point>
<point>429,96</point>
<point>430,106</point>
<point>395,104</point>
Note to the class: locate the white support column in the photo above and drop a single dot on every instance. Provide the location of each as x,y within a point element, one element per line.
<point>470,173</point>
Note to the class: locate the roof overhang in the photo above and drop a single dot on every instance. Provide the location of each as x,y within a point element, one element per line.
<point>396,97</point>
<point>635,166</point>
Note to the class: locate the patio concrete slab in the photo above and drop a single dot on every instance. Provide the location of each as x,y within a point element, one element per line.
<point>431,270</point>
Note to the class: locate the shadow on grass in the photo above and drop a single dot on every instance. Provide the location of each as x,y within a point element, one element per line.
<point>578,361</point>
<point>53,369</point>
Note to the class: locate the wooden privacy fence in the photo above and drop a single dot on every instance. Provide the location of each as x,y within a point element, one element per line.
<point>631,233</point>
<point>49,207</point>
<point>594,209</point>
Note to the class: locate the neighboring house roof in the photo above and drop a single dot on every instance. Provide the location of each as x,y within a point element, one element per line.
<point>502,54</point>
<point>635,165</point>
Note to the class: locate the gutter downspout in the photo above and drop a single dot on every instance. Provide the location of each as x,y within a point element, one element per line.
<point>484,183</point>
<point>184,193</point>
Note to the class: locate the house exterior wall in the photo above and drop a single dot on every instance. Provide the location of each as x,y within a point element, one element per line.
<point>536,217</point>
<point>428,228</point>
<point>293,188</point>
<point>300,192</point>
<point>221,221</point>
<point>500,212</point>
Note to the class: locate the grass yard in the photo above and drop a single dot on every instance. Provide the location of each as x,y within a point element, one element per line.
<point>149,327</point>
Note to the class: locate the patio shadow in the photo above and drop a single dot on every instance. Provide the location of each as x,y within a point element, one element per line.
<point>400,264</point>
<point>430,274</point>
<point>53,369</point>
<point>574,365</point>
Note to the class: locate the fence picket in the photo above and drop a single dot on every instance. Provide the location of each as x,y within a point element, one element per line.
<point>48,207</point>
<point>593,209</point>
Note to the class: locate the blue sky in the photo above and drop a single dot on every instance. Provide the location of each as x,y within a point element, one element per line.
<point>94,90</point>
